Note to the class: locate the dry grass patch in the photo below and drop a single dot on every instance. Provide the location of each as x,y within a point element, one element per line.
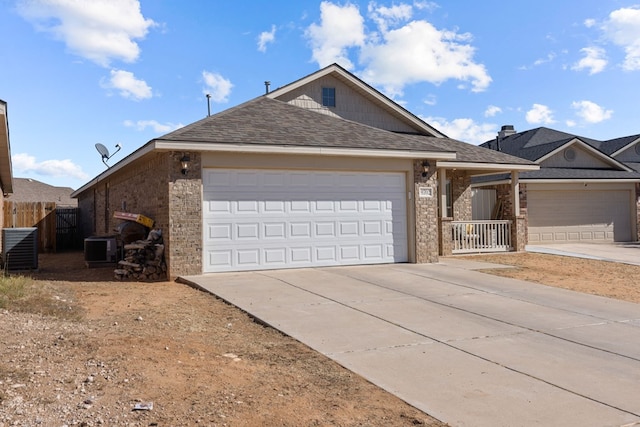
<point>23,294</point>
<point>604,278</point>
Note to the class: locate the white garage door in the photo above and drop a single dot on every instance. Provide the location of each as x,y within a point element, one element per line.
<point>570,216</point>
<point>256,220</point>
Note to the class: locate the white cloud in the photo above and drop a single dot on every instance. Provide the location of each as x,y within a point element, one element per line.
<point>128,85</point>
<point>420,52</point>
<point>265,38</point>
<point>341,27</point>
<point>464,129</point>
<point>431,100</point>
<point>399,52</point>
<point>591,112</point>
<point>155,126</point>
<point>623,29</point>
<point>98,30</point>
<point>589,22</point>
<point>571,123</point>
<point>539,114</point>
<point>550,57</point>
<point>217,86</point>
<point>492,110</point>
<point>384,16</point>
<point>25,163</point>
<point>594,60</point>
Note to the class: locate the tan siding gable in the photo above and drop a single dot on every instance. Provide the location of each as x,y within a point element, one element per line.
<point>583,159</point>
<point>350,105</point>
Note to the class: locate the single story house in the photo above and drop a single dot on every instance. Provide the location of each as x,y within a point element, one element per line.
<point>323,171</point>
<point>6,175</point>
<point>32,190</point>
<point>585,190</point>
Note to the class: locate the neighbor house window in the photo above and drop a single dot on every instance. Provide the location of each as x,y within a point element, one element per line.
<point>329,96</point>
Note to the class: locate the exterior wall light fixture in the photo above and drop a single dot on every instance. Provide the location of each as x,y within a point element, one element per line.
<point>185,162</point>
<point>425,168</point>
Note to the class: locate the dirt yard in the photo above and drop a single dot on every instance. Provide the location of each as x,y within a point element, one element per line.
<point>106,346</point>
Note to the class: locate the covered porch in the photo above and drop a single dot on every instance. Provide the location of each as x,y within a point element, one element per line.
<point>460,231</point>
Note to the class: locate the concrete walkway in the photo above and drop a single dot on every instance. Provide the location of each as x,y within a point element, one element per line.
<point>467,348</point>
<point>626,253</point>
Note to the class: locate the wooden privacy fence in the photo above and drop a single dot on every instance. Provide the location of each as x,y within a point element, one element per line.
<point>57,227</point>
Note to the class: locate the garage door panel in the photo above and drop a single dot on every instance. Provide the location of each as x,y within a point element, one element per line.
<point>279,219</point>
<point>580,215</point>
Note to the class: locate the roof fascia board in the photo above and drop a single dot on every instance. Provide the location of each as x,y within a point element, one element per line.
<point>320,151</point>
<point>142,151</point>
<point>556,181</point>
<point>487,166</point>
<point>363,86</point>
<point>626,147</point>
<point>587,147</point>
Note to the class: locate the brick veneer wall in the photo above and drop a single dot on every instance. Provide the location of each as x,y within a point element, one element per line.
<point>185,217</point>
<point>426,214</point>
<point>155,187</point>
<point>461,195</point>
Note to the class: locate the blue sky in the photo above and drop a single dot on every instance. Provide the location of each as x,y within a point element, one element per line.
<point>80,72</point>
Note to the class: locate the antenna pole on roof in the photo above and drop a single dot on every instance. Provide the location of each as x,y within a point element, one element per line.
<point>208,104</point>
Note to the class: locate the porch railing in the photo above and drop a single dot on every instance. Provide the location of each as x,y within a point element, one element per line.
<point>481,236</point>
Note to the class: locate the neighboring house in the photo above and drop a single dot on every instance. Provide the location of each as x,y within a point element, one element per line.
<point>323,171</point>
<point>586,190</point>
<point>31,190</point>
<point>6,177</point>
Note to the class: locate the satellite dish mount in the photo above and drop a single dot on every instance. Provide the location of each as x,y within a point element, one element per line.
<point>105,153</point>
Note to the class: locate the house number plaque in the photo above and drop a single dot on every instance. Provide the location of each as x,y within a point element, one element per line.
<point>425,192</point>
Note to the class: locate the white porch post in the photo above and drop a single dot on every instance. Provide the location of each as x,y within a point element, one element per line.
<point>515,192</point>
<point>442,191</point>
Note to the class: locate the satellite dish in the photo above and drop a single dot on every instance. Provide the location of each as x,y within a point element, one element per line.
<point>105,153</point>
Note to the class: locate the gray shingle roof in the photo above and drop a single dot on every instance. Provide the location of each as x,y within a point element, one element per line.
<point>30,190</point>
<point>612,145</point>
<point>265,121</point>
<point>472,153</point>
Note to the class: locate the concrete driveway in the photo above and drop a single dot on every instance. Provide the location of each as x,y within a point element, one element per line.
<point>467,348</point>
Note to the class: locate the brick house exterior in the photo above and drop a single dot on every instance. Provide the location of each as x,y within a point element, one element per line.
<point>275,133</point>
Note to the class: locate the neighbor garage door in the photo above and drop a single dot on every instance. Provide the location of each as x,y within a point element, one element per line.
<point>571,216</point>
<point>270,219</point>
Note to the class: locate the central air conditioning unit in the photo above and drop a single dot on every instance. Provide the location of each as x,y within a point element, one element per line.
<point>20,248</point>
<point>100,250</point>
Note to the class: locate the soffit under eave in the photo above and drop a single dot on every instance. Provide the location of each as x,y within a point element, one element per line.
<point>481,169</point>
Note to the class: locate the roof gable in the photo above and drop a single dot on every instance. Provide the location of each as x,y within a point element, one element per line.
<point>366,104</point>
<point>541,144</point>
<point>268,122</point>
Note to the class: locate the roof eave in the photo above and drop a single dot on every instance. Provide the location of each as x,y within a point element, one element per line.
<point>306,150</point>
<point>164,145</point>
<point>502,167</point>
